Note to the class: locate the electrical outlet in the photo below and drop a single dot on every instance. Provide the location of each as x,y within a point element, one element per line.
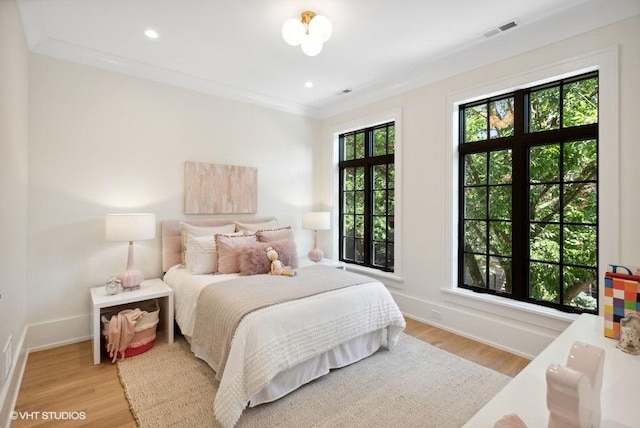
<point>7,354</point>
<point>436,315</point>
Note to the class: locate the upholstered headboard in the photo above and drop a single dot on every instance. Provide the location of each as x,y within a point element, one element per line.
<point>172,253</point>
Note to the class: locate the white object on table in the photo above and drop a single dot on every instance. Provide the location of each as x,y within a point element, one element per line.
<point>526,394</point>
<point>149,290</point>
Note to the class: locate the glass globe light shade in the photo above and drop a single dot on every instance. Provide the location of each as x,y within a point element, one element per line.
<point>311,45</point>
<point>320,26</point>
<point>292,31</point>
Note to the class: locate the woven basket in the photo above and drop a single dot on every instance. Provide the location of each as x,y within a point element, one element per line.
<point>144,336</point>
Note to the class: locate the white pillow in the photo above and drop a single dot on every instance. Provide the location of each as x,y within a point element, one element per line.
<point>201,256</point>
<point>189,229</point>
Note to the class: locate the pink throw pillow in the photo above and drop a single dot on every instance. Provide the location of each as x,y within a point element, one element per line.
<point>253,259</point>
<point>271,235</point>
<point>229,248</point>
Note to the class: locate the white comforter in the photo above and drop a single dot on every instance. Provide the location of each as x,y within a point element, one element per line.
<point>267,342</point>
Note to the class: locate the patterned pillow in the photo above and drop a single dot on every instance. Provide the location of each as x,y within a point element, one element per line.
<point>201,256</point>
<point>229,248</point>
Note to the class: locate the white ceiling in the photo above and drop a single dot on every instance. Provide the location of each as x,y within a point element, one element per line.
<point>234,49</point>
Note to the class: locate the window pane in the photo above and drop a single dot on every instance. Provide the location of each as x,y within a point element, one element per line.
<point>580,103</point>
<point>580,245</point>
<point>501,118</point>
<point>475,203</point>
<point>380,142</point>
<point>379,177</point>
<point>349,147</point>
<point>475,239</point>
<point>359,198</point>
<point>475,169</point>
<point>349,182</point>
<point>348,225</point>
<point>544,107</point>
<point>580,203</point>
<point>390,202</point>
<point>500,238</point>
<point>544,163</point>
<point>500,167</point>
<point>544,282</point>
<point>390,256</point>
<point>349,249</point>
<point>580,160</point>
<point>390,229</point>
<point>580,287</point>
<point>349,203</point>
<point>359,226</point>
<point>391,176</point>
<point>380,254</point>
<point>359,150</point>
<point>359,178</point>
<point>500,202</point>
<point>391,139</point>
<point>379,228</point>
<point>544,202</point>
<point>475,270</point>
<point>359,251</point>
<point>499,270</point>
<point>380,202</point>
<point>475,123</point>
<point>544,242</point>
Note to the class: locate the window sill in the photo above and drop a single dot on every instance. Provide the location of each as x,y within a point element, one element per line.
<point>377,274</point>
<point>535,315</point>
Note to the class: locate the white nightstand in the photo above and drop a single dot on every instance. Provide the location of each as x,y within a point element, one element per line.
<point>326,262</point>
<point>149,290</point>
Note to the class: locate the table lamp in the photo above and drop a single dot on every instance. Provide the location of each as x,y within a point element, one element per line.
<point>315,221</point>
<point>130,227</point>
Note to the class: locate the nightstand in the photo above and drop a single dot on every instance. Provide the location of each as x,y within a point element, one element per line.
<point>149,290</point>
<point>326,262</point>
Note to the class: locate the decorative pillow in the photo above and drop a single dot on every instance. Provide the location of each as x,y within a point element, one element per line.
<point>275,234</point>
<point>253,258</point>
<point>201,256</point>
<point>252,227</point>
<point>229,248</point>
<point>189,229</point>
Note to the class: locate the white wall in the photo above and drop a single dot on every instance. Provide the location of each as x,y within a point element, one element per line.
<point>427,186</point>
<point>102,142</point>
<point>13,191</point>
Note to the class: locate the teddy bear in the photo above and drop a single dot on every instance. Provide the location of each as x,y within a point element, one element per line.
<point>277,268</point>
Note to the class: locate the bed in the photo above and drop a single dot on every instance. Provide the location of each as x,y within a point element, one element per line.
<point>266,335</point>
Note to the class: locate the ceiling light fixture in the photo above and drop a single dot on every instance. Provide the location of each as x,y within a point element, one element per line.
<point>152,34</point>
<point>310,32</point>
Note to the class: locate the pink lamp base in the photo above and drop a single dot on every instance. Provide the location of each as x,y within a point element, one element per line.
<point>316,255</point>
<point>131,278</point>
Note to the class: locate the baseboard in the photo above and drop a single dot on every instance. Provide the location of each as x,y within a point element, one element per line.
<point>11,388</point>
<point>51,334</point>
<point>506,333</point>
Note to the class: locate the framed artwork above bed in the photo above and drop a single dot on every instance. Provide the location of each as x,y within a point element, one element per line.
<point>220,189</point>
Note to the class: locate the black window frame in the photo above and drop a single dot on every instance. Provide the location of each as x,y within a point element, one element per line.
<point>519,143</point>
<point>368,162</point>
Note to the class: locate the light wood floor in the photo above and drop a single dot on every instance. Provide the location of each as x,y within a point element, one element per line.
<point>64,379</point>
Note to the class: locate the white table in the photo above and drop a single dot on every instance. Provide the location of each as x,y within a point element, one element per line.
<point>526,394</point>
<point>149,290</point>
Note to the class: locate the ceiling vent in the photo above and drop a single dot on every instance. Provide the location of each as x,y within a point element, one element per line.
<point>502,28</point>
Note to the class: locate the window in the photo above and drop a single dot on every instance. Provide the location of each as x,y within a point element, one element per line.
<point>366,186</point>
<point>528,226</point>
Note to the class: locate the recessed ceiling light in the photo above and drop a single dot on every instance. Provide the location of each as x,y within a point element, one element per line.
<point>152,34</point>
<point>308,84</point>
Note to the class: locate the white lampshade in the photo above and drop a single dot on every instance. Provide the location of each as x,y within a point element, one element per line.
<point>318,220</point>
<point>320,26</point>
<point>130,227</point>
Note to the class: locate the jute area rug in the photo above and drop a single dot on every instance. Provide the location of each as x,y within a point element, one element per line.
<point>413,385</point>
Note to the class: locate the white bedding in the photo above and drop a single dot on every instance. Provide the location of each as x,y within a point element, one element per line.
<point>267,342</point>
